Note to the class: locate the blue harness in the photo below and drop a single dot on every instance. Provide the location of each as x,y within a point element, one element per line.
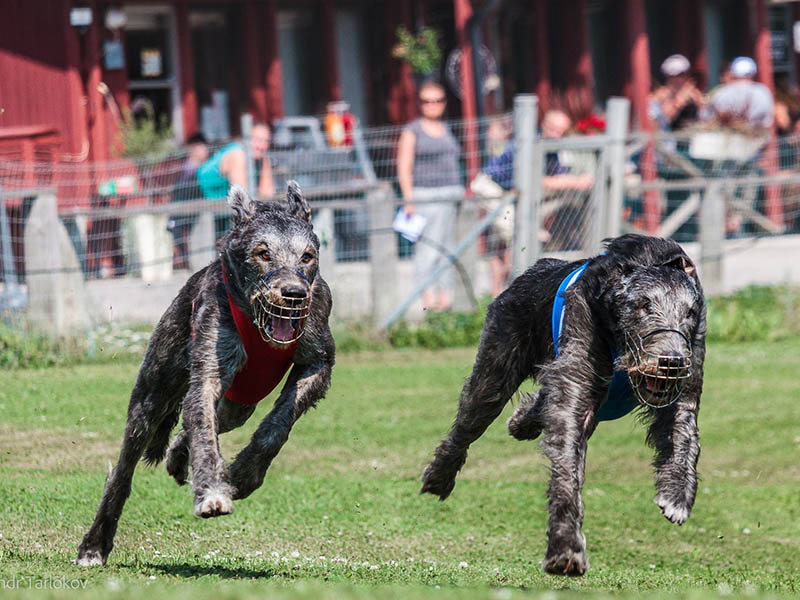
<point>620,400</point>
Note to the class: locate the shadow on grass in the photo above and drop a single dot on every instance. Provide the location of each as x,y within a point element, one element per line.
<point>190,571</point>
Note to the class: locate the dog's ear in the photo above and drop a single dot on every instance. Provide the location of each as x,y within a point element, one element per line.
<point>682,263</point>
<point>298,207</point>
<point>241,203</point>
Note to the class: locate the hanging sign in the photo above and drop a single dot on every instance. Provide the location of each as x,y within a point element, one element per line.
<point>80,16</point>
<point>152,65</point>
<point>113,58</point>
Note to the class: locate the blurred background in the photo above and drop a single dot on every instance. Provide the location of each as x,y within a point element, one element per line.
<point>573,122</point>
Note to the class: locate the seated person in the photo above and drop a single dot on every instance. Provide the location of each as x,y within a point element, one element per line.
<point>559,180</point>
<point>743,101</point>
<point>677,103</point>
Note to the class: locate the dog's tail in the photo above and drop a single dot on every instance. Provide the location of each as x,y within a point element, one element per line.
<point>157,448</point>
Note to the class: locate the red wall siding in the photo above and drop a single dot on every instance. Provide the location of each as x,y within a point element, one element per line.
<point>34,83</point>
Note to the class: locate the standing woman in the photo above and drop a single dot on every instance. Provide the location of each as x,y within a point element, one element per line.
<point>430,181</point>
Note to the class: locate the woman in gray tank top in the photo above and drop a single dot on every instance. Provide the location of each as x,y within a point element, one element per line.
<point>428,170</point>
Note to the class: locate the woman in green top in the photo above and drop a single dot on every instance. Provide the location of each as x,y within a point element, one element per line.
<point>228,166</point>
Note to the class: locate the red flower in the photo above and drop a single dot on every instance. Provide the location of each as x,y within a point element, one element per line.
<point>591,124</point>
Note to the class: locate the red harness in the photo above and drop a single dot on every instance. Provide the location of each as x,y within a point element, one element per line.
<point>266,365</point>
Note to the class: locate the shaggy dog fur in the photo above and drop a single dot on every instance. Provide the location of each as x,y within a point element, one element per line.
<point>641,286</point>
<point>196,351</point>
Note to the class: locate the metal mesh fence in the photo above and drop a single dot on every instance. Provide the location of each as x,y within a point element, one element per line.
<point>668,177</point>
<point>149,222</point>
<point>567,210</point>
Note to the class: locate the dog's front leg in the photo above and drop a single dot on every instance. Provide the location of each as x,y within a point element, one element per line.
<point>675,437</point>
<point>569,426</point>
<point>212,492</point>
<point>305,386</point>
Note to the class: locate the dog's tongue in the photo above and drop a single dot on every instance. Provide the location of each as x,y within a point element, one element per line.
<point>282,329</point>
<point>654,385</point>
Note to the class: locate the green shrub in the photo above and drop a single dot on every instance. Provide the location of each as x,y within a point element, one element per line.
<point>756,313</point>
<point>441,330</point>
<point>19,349</point>
<point>354,338</point>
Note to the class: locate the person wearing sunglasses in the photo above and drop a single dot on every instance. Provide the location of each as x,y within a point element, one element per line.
<point>430,182</point>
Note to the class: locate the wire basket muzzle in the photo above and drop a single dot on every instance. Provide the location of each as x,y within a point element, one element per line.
<point>657,379</point>
<point>280,323</point>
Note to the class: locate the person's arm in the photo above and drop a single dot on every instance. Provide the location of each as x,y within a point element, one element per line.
<point>696,96</point>
<point>565,181</point>
<point>266,185</point>
<point>405,167</point>
<point>233,167</point>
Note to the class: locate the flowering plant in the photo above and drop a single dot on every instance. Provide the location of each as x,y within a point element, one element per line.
<point>591,124</point>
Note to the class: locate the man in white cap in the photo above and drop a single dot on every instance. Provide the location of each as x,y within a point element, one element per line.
<point>677,103</point>
<point>744,101</point>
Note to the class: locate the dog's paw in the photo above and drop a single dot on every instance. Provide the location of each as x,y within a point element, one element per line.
<point>244,477</point>
<point>90,558</point>
<point>433,482</point>
<point>674,512</point>
<point>523,426</point>
<point>526,422</point>
<point>568,562</point>
<point>213,503</point>
<point>177,463</point>
<point>178,468</point>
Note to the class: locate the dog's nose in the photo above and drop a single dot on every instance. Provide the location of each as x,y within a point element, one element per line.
<point>295,292</point>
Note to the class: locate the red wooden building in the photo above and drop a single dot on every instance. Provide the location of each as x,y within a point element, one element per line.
<point>202,63</point>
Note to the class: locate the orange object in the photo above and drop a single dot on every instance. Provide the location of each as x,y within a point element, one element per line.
<point>339,124</point>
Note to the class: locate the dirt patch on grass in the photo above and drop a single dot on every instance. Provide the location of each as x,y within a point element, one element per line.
<point>55,449</point>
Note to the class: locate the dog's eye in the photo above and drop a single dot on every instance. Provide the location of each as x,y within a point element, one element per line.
<point>263,255</point>
<point>306,258</point>
<point>644,306</point>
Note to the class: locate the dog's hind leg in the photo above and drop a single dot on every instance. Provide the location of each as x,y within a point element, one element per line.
<point>230,415</point>
<point>496,375</point>
<point>156,449</point>
<point>145,411</point>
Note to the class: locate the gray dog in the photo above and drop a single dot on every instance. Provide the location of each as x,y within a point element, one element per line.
<point>224,343</point>
<point>620,331</point>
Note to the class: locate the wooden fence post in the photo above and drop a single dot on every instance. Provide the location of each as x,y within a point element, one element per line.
<point>58,302</point>
<point>526,228</point>
<point>382,253</point>
<point>618,116</point>
<point>712,234</point>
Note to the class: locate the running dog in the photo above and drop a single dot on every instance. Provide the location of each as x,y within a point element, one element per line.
<point>621,331</point>
<point>224,344</point>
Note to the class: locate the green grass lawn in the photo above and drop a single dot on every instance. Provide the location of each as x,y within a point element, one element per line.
<point>339,515</point>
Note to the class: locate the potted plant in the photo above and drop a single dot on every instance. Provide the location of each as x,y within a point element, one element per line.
<point>421,52</point>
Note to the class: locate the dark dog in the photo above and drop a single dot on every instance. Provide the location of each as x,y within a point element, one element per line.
<point>223,344</point>
<point>633,335</point>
